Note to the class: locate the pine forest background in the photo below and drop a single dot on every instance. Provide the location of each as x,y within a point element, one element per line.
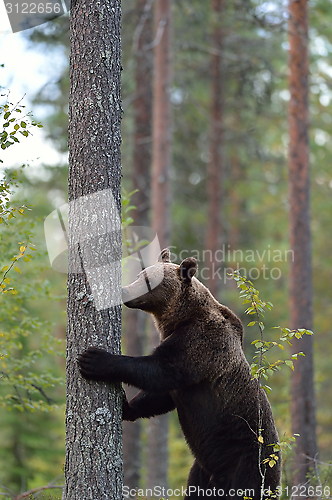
<point>253,213</point>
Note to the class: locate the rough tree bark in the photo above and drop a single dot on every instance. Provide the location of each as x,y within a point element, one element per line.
<point>301,310</point>
<point>93,466</point>
<point>136,320</point>
<point>215,165</point>
<point>157,455</point>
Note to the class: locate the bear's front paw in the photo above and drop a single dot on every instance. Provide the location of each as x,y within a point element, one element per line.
<point>127,412</point>
<point>95,364</point>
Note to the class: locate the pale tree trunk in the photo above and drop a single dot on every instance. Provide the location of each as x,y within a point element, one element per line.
<point>157,452</point>
<point>301,309</point>
<point>135,319</point>
<point>93,466</point>
<point>215,165</point>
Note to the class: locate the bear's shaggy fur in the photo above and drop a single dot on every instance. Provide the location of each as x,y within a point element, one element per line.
<point>200,370</point>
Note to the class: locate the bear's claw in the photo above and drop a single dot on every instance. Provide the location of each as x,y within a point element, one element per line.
<point>93,363</point>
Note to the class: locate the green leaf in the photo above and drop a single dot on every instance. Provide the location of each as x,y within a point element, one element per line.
<point>252,323</point>
<point>23,124</point>
<point>289,363</point>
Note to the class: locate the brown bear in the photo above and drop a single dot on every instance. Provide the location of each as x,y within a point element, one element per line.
<point>200,370</point>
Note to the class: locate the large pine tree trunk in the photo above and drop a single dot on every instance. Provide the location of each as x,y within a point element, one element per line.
<point>135,319</point>
<point>301,310</point>
<point>157,454</point>
<point>215,165</point>
<point>93,466</point>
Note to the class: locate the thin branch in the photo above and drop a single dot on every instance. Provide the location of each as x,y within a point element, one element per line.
<point>9,492</point>
<point>159,34</point>
<point>15,259</point>
<point>140,26</point>
<point>246,421</point>
<point>21,400</point>
<point>49,400</point>
<point>35,490</point>
<point>52,483</point>
<point>317,461</point>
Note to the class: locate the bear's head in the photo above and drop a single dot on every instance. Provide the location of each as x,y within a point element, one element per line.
<point>172,294</point>
<point>157,286</point>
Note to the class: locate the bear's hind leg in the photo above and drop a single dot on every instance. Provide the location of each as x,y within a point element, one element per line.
<point>199,484</point>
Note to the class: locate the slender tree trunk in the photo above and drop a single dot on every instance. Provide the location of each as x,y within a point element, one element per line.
<point>157,457</point>
<point>215,165</point>
<point>135,322</point>
<point>161,122</point>
<point>235,202</point>
<point>143,114</point>
<point>135,319</point>
<point>93,466</point>
<point>302,387</point>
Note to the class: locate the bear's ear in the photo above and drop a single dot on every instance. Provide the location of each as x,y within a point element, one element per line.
<point>187,269</point>
<point>165,255</point>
